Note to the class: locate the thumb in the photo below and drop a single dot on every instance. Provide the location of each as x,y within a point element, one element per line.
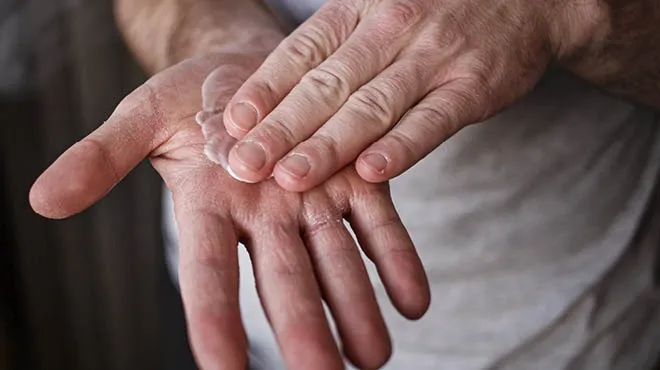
<point>92,167</point>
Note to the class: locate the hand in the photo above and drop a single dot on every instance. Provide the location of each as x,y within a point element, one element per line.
<point>299,246</point>
<point>387,81</point>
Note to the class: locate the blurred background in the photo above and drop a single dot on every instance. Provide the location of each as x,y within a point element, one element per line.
<point>91,292</point>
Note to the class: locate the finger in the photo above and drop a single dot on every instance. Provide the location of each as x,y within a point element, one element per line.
<point>303,50</point>
<point>291,299</point>
<point>220,84</point>
<point>368,114</point>
<point>385,240</point>
<point>346,288</point>
<point>321,92</point>
<point>436,118</point>
<point>90,168</point>
<point>208,274</point>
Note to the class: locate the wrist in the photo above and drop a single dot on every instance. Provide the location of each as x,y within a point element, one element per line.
<point>163,33</point>
<point>197,42</point>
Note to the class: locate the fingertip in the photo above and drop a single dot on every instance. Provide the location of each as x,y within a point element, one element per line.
<point>288,182</point>
<point>295,173</point>
<point>41,202</point>
<point>377,358</point>
<point>306,167</point>
<point>377,355</point>
<point>76,180</point>
<point>408,288</point>
<point>369,174</point>
<point>236,177</point>
<point>213,348</point>
<point>415,307</point>
<point>248,162</point>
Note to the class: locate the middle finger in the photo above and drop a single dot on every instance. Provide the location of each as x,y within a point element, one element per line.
<point>345,285</point>
<point>291,299</point>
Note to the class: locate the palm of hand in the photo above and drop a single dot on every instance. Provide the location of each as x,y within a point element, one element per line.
<point>295,239</point>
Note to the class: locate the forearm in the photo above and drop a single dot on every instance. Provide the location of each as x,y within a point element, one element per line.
<point>625,59</point>
<point>163,32</point>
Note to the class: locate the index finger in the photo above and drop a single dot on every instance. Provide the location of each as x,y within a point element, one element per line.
<point>307,47</point>
<point>291,298</point>
<point>208,274</point>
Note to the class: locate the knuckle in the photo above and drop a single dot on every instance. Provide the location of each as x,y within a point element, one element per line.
<point>327,82</point>
<point>434,113</point>
<point>480,87</point>
<point>78,184</point>
<point>323,222</point>
<point>374,102</point>
<point>434,117</point>
<point>471,98</point>
<point>206,261</point>
<point>342,255</point>
<point>400,253</point>
<point>327,147</point>
<point>266,90</point>
<point>336,23</point>
<point>385,222</point>
<point>403,14</point>
<point>306,49</point>
<point>283,263</point>
<point>447,37</point>
<point>478,81</point>
<point>278,228</point>
<point>145,100</point>
<point>477,73</point>
<point>277,131</point>
<point>476,101</point>
<point>285,266</point>
<point>260,91</point>
<point>403,144</point>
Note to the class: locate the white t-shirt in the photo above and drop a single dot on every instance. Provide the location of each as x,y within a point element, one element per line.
<point>540,233</point>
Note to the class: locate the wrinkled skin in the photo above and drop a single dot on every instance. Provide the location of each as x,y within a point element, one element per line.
<point>300,249</point>
<point>384,82</point>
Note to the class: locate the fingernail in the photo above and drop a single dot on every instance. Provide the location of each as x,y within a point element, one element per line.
<point>236,177</point>
<point>296,165</point>
<point>251,154</point>
<point>244,116</point>
<point>376,161</point>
